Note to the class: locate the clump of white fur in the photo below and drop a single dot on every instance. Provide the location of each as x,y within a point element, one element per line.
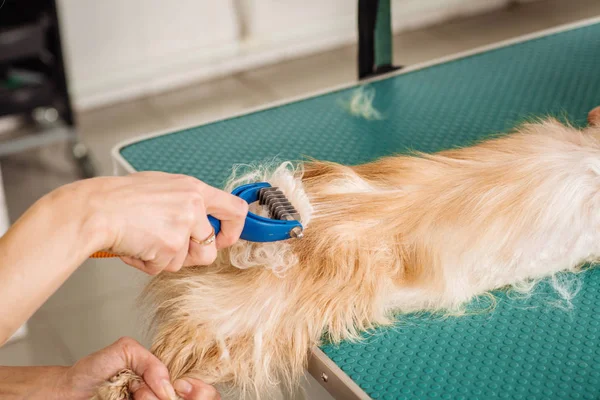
<point>361,104</point>
<point>565,285</point>
<point>277,256</point>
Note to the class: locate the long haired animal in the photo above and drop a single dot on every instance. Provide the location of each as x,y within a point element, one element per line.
<point>400,234</point>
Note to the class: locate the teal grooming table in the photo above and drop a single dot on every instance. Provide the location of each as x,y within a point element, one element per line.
<point>524,348</point>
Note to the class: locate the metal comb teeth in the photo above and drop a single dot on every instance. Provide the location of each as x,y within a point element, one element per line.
<point>278,205</point>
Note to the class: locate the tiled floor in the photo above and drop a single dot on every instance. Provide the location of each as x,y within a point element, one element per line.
<point>97,304</point>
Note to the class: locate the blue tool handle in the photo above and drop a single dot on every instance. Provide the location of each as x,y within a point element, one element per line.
<point>259,229</point>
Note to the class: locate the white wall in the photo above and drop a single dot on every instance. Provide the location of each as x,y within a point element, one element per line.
<point>121,48</point>
<point>117,49</point>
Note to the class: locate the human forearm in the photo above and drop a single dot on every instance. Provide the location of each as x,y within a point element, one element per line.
<point>42,249</point>
<point>33,383</point>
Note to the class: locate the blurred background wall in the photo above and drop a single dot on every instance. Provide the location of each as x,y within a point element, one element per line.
<point>120,49</point>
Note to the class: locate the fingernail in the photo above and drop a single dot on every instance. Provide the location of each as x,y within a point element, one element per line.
<point>182,386</point>
<point>169,391</point>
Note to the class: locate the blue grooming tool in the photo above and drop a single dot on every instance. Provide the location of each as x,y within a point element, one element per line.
<point>285,225</point>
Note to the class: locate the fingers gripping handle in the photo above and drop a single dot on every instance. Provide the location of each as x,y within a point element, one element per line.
<point>215,223</point>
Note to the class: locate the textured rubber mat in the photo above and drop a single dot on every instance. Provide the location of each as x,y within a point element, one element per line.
<point>525,348</point>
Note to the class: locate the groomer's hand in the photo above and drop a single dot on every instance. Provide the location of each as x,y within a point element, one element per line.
<point>152,218</point>
<point>82,379</point>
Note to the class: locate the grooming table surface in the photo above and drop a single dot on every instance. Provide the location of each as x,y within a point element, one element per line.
<point>524,348</point>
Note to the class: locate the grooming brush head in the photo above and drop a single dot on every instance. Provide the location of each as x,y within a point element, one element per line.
<point>279,207</point>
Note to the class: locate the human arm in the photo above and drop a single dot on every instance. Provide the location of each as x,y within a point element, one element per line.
<point>40,251</point>
<point>149,217</point>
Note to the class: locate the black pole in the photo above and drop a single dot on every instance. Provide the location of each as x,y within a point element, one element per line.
<point>367,18</point>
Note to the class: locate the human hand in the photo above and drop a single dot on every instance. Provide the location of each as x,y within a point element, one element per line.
<point>83,378</point>
<point>149,218</point>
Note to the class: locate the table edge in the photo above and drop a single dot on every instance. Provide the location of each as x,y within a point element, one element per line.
<point>339,385</point>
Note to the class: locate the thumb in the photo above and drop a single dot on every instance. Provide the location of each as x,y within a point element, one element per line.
<point>194,389</point>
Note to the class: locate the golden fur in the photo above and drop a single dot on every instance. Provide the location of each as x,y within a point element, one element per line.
<point>400,234</point>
